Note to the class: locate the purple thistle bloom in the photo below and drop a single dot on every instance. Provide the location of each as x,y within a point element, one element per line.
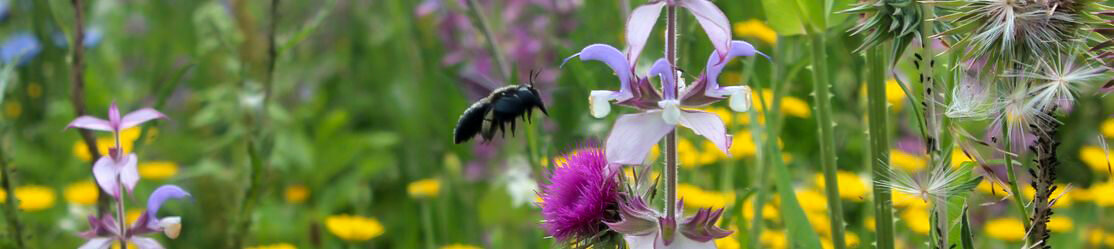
<point>116,168</point>
<point>582,192</point>
<point>104,231</point>
<point>635,134</point>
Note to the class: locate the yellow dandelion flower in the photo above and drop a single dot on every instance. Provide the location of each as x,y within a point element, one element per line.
<point>274,246</point>
<point>869,223</point>
<point>12,109</point>
<point>769,212</point>
<point>1095,158</point>
<point>687,154</point>
<point>958,158</point>
<point>127,139</point>
<point>894,94</point>
<point>158,170</point>
<point>34,90</point>
<point>629,172</point>
<point>116,245</point>
<point>820,222</point>
<point>1064,201</point>
<point>132,215</point>
<point>901,199</point>
<point>917,220</point>
<point>773,239</point>
<point>726,115</point>
<point>695,197</point>
<point>353,228</point>
<point>906,161</point>
<point>460,246</point>
<point>1100,193</point>
<point>852,239</point>
<point>851,186</point>
<point>812,201</point>
<point>1060,224</point>
<point>83,193</point>
<point>425,188</point>
<point>992,188</point>
<point>32,197</point>
<point>790,105</point>
<point>742,145</point>
<point>728,243</point>
<point>296,194</point>
<point>757,29</point>
<point>1108,128</point>
<point>1005,229</point>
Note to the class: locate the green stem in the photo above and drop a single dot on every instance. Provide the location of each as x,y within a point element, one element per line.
<point>1018,200</point>
<point>480,20</point>
<point>15,228</point>
<point>932,98</point>
<point>879,146</point>
<point>822,96</point>
<point>427,225</point>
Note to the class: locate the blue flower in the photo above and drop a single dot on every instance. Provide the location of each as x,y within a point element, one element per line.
<point>21,47</point>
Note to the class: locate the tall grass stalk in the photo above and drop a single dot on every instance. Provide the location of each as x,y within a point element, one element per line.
<point>479,20</point>
<point>15,227</point>
<point>1018,200</point>
<point>823,105</point>
<point>77,94</point>
<point>879,145</point>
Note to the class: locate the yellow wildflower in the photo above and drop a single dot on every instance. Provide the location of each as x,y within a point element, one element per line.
<point>353,228</point>
<point>742,145</point>
<point>1060,224</point>
<point>32,197</point>
<point>992,188</point>
<point>812,201</point>
<point>82,193</point>
<point>426,188</point>
<point>894,94</point>
<point>728,243</point>
<point>790,105</point>
<point>1101,194</point>
<point>726,115</point>
<point>687,154</point>
<point>34,90</point>
<point>12,109</point>
<point>769,212</point>
<point>851,187</point>
<point>695,197</point>
<point>460,246</point>
<point>116,245</point>
<point>820,222</point>
<point>295,194</point>
<point>773,239</point>
<point>272,246</point>
<point>629,172</point>
<point>851,240</point>
<point>906,161</point>
<point>1095,158</point>
<point>901,199</point>
<point>869,223</point>
<point>1005,229</point>
<point>158,170</point>
<point>132,215</point>
<point>127,139</point>
<point>1108,128</point>
<point>757,29</point>
<point>958,158</point>
<point>917,220</point>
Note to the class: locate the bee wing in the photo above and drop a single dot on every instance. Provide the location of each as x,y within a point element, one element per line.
<point>471,122</point>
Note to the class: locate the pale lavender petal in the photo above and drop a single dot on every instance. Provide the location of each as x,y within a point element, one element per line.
<point>105,172</point>
<point>708,125</point>
<point>647,241</point>
<point>146,243</point>
<point>613,58</point>
<point>114,116</point>
<point>714,22</point>
<point>97,243</point>
<point>139,116</point>
<point>129,174</point>
<point>91,123</point>
<point>639,27</point>
<point>634,135</point>
<point>664,71</point>
<point>683,242</point>
<point>715,63</point>
<point>161,195</point>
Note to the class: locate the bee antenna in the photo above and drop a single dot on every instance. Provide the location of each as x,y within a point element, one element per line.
<point>534,76</point>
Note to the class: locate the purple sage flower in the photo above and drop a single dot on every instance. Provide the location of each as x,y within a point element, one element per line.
<point>711,19</point>
<point>116,168</point>
<point>643,227</point>
<point>582,194</point>
<point>105,230</point>
<point>634,135</point>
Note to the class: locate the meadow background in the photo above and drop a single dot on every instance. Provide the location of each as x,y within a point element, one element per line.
<point>354,127</point>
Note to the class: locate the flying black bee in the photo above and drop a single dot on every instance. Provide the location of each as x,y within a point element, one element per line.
<point>497,110</point>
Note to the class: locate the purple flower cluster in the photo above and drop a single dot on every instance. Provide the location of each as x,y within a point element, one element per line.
<point>583,192</point>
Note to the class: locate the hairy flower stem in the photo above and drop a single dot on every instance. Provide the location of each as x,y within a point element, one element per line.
<point>77,96</point>
<point>671,138</point>
<point>926,63</point>
<point>480,21</point>
<point>15,228</point>
<point>824,121</point>
<point>1044,175</point>
<point>120,216</point>
<point>1012,177</point>
<point>879,145</point>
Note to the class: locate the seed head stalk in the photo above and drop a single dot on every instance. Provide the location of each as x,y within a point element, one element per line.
<point>927,68</point>
<point>671,138</point>
<point>1017,198</point>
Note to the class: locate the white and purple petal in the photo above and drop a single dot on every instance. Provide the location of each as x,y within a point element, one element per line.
<point>616,61</point>
<point>634,135</point>
<point>129,173</point>
<point>97,243</point>
<point>664,71</point>
<point>145,243</point>
<point>639,26</point>
<point>114,116</point>
<point>91,123</point>
<point>139,116</point>
<point>105,172</point>
<point>713,21</point>
<point>708,125</point>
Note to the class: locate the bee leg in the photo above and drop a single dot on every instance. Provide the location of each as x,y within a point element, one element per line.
<point>512,127</point>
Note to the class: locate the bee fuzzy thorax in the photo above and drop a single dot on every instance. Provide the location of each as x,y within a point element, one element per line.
<point>497,111</point>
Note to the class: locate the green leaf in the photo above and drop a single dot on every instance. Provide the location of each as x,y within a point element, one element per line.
<point>814,13</point>
<point>965,230</point>
<point>782,16</point>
